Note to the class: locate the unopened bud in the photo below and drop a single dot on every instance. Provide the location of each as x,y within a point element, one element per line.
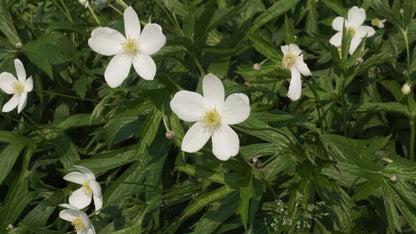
<point>401,11</point>
<point>360,60</point>
<point>378,22</point>
<point>170,135</point>
<point>248,84</point>
<point>18,45</point>
<point>393,178</point>
<point>257,66</point>
<point>406,89</point>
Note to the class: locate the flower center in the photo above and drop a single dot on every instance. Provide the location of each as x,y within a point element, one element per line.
<point>289,61</point>
<point>86,188</point>
<point>351,30</point>
<point>375,21</point>
<point>130,46</point>
<point>18,87</point>
<point>211,119</point>
<point>78,224</point>
<point>339,51</point>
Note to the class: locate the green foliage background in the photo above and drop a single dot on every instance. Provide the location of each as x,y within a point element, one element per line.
<point>338,160</point>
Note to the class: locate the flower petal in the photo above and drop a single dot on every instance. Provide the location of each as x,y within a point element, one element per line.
<point>355,42</point>
<point>225,142</point>
<point>236,109</point>
<point>188,106</point>
<point>302,67</point>
<point>106,41</point>
<point>356,16</point>
<point>65,205</point>
<point>76,177</point>
<point>144,66</point>
<point>85,220</point>
<point>364,31</point>
<point>29,84</point>
<point>294,49</point>
<point>338,23</point>
<point>79,199</point>
<point>117,70</point>
<point>131,23</point>
<point>69,214</point>
<point>285,49</point>
<point>87,172</point>
<point>20,71</point>
<point>196,137</point>
<point>336,39</point>
<point>6,82</point>
<point>151,39</point>
<point>295,86</point>
<point>213,90</point>
<point>11,104</point>
<point>22,101</point>
<point>97,195</point>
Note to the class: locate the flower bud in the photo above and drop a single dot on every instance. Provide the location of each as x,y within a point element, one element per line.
<point>360,60</point>
<point>378,22</point>
<point>18,45</point>
<point>401,11</point>
<point>170,135</point>
<point>406,89</point>
<point>257,66</point>
<point>248,84</point>
<point>393,178</point>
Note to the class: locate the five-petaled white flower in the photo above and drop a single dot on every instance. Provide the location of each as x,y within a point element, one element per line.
<point>18,87</point>
<point>356,17</point>
<point>135,48</point>
<point>79,220</point>
<point>293,60</point>
<point>213,116</point>
<point>81,197</point>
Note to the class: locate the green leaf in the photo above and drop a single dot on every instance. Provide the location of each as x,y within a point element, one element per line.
<point>273,12</point>
<point>66,150</point>
<point>148,132</point>
<point>202,172</point>
<point>265,47</point>
<point>206,199</point>
<point>6,24</point>
<point>8,157</point>
<point>246,193</point>
<point>378,107</point>
<point>73,121</point>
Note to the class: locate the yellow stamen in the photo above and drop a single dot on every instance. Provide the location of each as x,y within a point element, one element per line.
<point>211,119</point>
<point>86,188</point>
<point>375,21</point>
<point>18,87</point>
<point>289,61</point>
<point>339,52</point>
<point>78,224</point>
<point>351,30</point>
<point>130,46</point>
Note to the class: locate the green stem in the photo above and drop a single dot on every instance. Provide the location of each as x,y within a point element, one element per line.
<point>406,40</point>
<point>122,3</point>
<point>344,109</point>
<point>199,66</point>
<point>318,104</point>
<point>271,129</point>
<point>412,140</point>
<point>115,9</point>
<point>68,96</point>
<point>94,15</point>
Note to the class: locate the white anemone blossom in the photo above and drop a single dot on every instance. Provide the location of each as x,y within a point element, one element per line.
<point>18,87</point>
<point>79,220</point>
<point>293,60</point>
<point>135,48</point>
<point>213,116</point>
<point>356,17</point>
<point>81,197</point>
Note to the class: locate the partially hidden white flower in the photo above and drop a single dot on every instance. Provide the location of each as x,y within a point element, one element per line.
<point>18,87</point>
<point>135,48</point>
<point>81,197</point>
<point>79,220</point>
<point>213,116</point>
<point>293,60</point>
<point>84,3</point>
<point>356,17</point>
<point>406,88</point>
<point>378,22</point>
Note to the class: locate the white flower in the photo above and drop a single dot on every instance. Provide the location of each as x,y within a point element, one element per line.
<point>356,17</point>
<point>135,48</point>
<point>293,60</point>
<point>406,88</point>
<point>213,116</point>
<point>378,22</point>
<point>84,2</point>
<point>79,220</point>
<point>18,87</point>
<point>81,197</point>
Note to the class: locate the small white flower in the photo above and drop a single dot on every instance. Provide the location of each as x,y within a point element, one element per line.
<point>81,197</point>
<point>18,87</point>
<point>293,60</point>
<point>213,116</point>
<point>79,220</point>
<point>406,88</point>
<point>135,48</point>
<point>356,17</point>
<point>378,22</point>
<point>84,2</point>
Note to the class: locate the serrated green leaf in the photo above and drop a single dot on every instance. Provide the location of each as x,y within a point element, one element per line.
<point>66,150</point>
<point>8,157</point>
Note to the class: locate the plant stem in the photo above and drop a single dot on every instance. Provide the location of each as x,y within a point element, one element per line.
<point>318,105</point>
<point>344,109</point>
<point>122,3</point>
<point>412,140</point>
<point>406,40</point>
<point>115,9</point>
<point>199,66</point>
<point>94,15</point>
<point>69,96</point>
